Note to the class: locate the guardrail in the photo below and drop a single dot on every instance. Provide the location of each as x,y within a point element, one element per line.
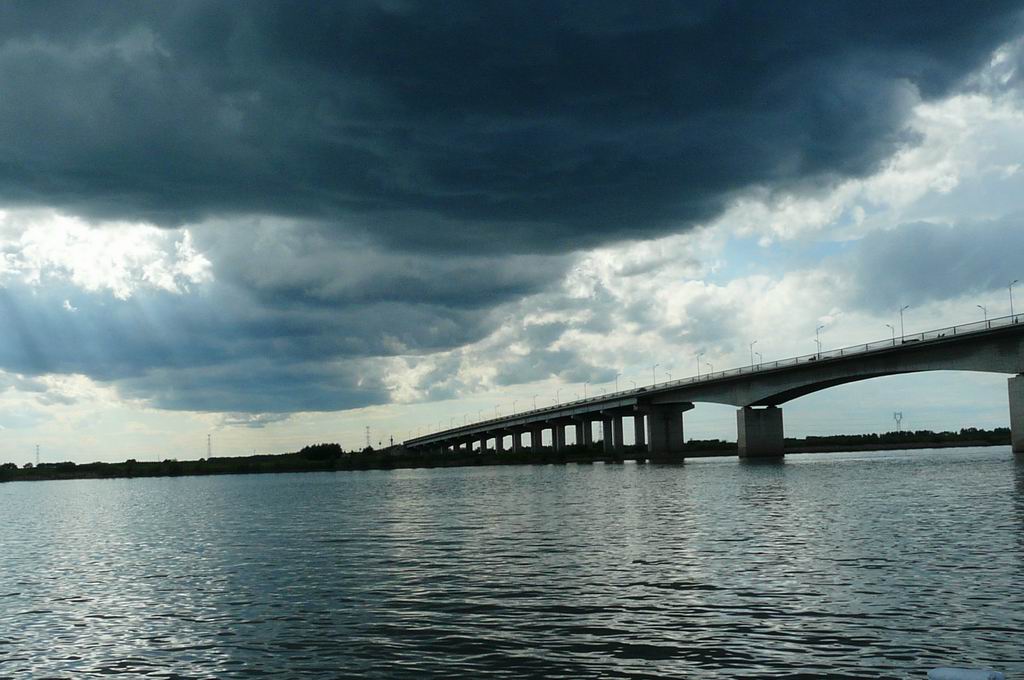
<point>878,345</point>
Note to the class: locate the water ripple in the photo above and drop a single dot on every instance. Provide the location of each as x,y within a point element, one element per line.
<point>839,566</point>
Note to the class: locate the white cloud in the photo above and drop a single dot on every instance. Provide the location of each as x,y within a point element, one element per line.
<point>38,245</point>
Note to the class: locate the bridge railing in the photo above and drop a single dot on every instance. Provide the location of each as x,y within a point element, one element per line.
<point>877,345</point>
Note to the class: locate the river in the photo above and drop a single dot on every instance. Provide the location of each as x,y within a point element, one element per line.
<point>826,565</point>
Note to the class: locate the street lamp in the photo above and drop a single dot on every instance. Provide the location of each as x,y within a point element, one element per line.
<point>892,329</point>
<point>984,312</point>
<point>905,307</point>
<point>496,410</point>
<point>669,374</point>
<point>535,402</point>
<point>760,359</point>
<point>617,381</point>
<point>699,355</point>
<point>817,338</point>
<point>514,402</point>
<point>1010,288</point>
<point>654,377</point>
<point>585,388</point>
<point>752,353</point>
<point>634,383</point>
<point>558,399</point>
<point>711,367</point>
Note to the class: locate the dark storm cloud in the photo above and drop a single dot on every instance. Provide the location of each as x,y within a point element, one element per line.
<point>463,126</point>
<point>926,262</point>
<point>222,349</point>
<point>302,264</point>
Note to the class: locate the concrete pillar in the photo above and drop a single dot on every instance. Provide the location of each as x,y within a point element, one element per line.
<point>638,429</point>
<point>620,445</point>
<point>665,428</point>
<point>1016,387</point>
<point>759,432</point>
<point>558,436</point>
<point>481,445</point>
<point>537,439</point>
<point>606,436</point>
<point>584,434</point>
<point>517,441</point>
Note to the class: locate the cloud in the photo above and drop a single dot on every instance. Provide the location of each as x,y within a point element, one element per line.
<point>523,127</point>
<point>262,306</point>
<point>253,420</point>
<point>267,208</point>
<point>924,262</point>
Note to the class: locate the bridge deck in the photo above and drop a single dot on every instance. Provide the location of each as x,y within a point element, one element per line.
<point>628,399</point>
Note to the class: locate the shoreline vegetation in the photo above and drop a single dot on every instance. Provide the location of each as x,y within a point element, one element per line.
<point>331,457</point>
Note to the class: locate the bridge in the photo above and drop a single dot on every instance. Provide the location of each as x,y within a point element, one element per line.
<point>758,391</point>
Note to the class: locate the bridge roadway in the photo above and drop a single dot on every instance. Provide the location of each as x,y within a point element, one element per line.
<point>656,411</point>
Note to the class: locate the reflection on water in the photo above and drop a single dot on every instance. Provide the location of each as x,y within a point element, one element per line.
<point>838,565</point>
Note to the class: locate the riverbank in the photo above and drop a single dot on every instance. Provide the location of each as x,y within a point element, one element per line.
<point>331,457</point>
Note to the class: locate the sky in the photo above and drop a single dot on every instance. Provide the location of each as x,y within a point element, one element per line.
<point>282,223</point>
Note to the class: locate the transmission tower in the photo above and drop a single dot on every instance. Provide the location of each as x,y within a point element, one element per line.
<point>898,417</point>
<point>368,437</point>
<point>209,446</point>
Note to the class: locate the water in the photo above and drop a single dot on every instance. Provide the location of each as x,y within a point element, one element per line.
<point>837,565</point>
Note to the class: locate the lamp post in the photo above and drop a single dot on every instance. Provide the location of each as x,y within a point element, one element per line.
<point>585,388</point>
<point>535,402</point>
<point>760,359</point>
<point>479,415</point>
<point>558,399</point>
<point>669,374</point>
<point>654,377</point>
<point>514,402</point>
<point>984,311</point>
<point>634,384</point>
<point>817,338</point>
<point>752,353</point>
<point>711,367</point>
<point>902,333</point>
<point>1010,288</point>
<point>496,410</point>
<point>617,381</point>
<point>892,329</point>
<point>699,355</point>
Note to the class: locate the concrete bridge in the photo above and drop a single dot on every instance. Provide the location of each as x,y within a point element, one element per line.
<point>656,412</point>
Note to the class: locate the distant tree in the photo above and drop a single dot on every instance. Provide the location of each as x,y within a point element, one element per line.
<point>321,452</point>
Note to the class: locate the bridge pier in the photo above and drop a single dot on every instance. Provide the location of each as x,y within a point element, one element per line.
<point>759,432</point>
<point>1016,389</point>
<point>607,445</point>
<point>665,428</point>
<point>638,429</point>
<point>558,437</point>
<point>584,433</point>
<point>617,428</point>
<point>536,439</point>
<point>517,440</point>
